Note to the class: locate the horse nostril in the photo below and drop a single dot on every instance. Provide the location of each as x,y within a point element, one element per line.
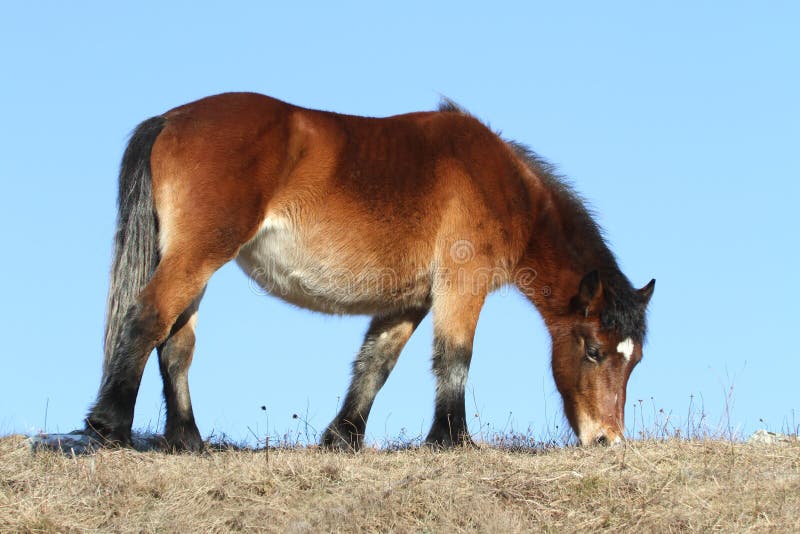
<point>601,440</point>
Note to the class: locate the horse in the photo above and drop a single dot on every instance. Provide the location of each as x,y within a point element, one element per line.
<point>388,217</point>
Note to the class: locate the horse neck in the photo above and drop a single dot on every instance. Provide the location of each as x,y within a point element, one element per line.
<point>565,245</point>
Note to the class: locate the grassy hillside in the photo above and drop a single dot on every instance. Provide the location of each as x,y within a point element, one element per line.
<point>641,486</point>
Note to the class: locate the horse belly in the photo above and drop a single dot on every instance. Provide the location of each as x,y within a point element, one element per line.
<point>283,264</point>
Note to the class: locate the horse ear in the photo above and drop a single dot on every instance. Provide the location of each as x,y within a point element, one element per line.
<point>647,291</point>
<point>589,290</point>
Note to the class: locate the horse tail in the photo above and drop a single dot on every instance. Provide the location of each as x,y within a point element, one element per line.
<point>136,253</point>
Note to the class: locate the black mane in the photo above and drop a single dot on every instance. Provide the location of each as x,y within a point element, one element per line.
<point>449,106</point>
<point>624,309</point>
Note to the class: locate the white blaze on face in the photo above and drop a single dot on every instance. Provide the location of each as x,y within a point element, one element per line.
<point>626,348</point>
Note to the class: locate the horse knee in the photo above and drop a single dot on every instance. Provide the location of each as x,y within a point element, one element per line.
<point>143,328</point>
<point>146,322</point>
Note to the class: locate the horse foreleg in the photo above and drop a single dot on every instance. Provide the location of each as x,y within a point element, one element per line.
<point>382,345</point>
<point>455,317</point>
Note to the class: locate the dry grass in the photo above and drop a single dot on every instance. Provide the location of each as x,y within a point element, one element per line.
<point>643,486</point>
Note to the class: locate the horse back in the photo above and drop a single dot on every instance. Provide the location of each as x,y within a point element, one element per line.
<point>356,193</point>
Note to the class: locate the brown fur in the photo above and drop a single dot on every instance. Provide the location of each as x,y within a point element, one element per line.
<point>417,211</point>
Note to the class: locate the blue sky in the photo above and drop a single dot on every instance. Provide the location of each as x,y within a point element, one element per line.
<point>680,123</point>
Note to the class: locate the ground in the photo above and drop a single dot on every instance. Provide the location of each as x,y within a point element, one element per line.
<point>671,485</point>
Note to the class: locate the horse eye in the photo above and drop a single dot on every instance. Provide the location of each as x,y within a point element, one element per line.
<point>593,354</point>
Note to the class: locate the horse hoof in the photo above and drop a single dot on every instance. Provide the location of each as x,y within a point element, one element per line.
<point>336,440</point>
<point>185,440</point>
<point>443,441</point>
<point>101,435</point>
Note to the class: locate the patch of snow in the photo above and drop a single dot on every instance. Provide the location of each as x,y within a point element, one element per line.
<point>79,443</point>
<point>765,436</point>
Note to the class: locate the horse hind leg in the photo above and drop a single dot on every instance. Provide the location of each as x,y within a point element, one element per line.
<point>174,359</point>
<point>382,345</point>
<point>176,283</point>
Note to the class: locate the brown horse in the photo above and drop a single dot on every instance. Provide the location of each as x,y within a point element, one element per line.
<point>390,217</point>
